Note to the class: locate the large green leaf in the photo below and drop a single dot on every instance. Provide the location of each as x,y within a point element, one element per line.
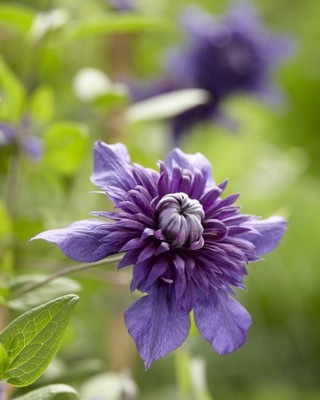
<point>65,146</point>
<point>109,24</point>
<point>12,94</point>
<point>32,340</point>
<point>51,392</point>
<point>4,360</point>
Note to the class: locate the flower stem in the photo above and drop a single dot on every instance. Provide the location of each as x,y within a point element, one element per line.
<point>62,272</point>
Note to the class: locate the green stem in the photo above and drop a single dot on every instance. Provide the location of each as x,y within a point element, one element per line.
<point>62,272</point>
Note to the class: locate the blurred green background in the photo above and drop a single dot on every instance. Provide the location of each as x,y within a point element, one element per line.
<point>274,161</point>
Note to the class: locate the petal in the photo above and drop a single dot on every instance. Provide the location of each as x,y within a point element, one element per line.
<point>190,162</point>
<point>81,241</point>
<point>222,321</point>
<point>269,233</point>
<point>112,171</point>
<point>157,324</point>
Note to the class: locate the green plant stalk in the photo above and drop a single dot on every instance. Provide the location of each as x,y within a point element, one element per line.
<point>62,272</point>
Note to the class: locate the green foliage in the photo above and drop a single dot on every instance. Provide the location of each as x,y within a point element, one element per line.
<point>51,290</point>
<point>4,360</point>
<point>42,104</point>
<point>51,392</point>
<point>65,146</point>
<point>16,17</point>
<point>110,24</point>
<point>32,340</point>
<point>13,94</point>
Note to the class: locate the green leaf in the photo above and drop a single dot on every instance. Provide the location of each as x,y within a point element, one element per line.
<point>4,360</point>
<point>65,146</point>
<point>51,290</point>
<point>32,340</point>
<point>42,105</point>
<point>51,392</point>
<point>12,94</point>
<point>167,105</point>
<point>16,17</point>
<point>109,24</point>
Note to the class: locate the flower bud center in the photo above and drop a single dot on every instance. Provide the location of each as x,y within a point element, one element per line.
<point>180,219</point>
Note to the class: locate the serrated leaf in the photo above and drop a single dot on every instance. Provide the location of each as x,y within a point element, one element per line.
<point>32,340</point>
<point>65,146</point>
<point>109,24</point>
<point>17,17</point>
<point>4,360</point>
<point>12,94</point>
<point>51,290</point>
<point>51,392</point>
<point>166,105</point>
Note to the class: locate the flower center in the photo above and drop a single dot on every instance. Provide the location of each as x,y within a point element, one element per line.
<point>180,219</point>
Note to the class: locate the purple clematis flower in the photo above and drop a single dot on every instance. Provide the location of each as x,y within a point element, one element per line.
<point>188,246</point>
<point>122,5</point>
<point>226,55</point>
<point>31,145</point>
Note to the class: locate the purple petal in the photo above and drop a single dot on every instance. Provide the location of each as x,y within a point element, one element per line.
<point>222,321</point>
<point>157,325</point>
<point>269,233</point>
<point>81,241</point>
<point>112,171</point>
<point>191,162</point>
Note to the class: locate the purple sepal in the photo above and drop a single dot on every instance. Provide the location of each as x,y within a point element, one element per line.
<point>157,324</point>
<point>222,321</point>
<point>81,241</point>
<point>269,233</point>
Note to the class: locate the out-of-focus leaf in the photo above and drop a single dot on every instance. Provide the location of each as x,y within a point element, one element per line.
<point>79,370</point>
<point>47,21</point>
<point>42,104</point>
<point>12,94</point>
<point>51,392</point>
<point>65,146</point>
<point>16,17</point>
<point>109,386</point>
<point>4,360</point>
<point>109,24</point>
<point>191,377</point>
<point>6,224</point>
<point>167,105</point>
<point>56,288</point>
<point>32,340</point>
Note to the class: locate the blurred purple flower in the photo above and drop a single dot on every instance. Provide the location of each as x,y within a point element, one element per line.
<point>6,134</point>
<point>30,144</point>
<point>232,54</point>
<point>122,5</point>
<point>187,245</point>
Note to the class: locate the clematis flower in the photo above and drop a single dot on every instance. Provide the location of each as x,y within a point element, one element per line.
<point>224,56</point>
<point>188,245</point>
<point>29,144</point>
<point>122,5</point>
